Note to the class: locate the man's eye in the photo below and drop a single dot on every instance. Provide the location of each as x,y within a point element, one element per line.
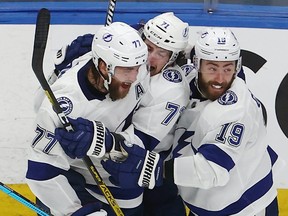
<point>229,70</point>
<point>163,54</point>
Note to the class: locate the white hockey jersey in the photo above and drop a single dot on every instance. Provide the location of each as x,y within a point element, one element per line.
<point>160,108</point>
<point>48,163</point>
<point>222,165</point>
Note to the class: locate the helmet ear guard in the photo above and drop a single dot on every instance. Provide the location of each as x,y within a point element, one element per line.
<point>196,62</point>
<point>238,65</point>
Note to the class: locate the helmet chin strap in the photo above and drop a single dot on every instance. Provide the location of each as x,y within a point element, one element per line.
<point>198,88</point>
<point>108,81</point>
<point>171,60</point>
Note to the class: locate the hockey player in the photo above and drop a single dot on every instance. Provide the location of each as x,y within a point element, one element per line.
<point>105,84</point>
<point>166,37</point>
<point>222,163</point>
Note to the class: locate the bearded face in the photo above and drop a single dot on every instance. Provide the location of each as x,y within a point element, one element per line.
<point>215,78</point>
<point>118,90</point>
<point>122,81</point>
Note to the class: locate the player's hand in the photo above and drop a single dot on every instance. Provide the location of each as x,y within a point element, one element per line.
<point>67,54</point>
<point>141,168</point>
<point>91,209</point>
<point>90,138</point>
<point>139,26</point>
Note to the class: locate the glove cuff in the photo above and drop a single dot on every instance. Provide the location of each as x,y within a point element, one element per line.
<point>150,171</point>
<point>60,55</point>
<point>97,148</point>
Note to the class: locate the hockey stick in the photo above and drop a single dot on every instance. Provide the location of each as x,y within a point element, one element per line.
<point>40,40</point>
<point>110,12</point>
<point>9,191</point>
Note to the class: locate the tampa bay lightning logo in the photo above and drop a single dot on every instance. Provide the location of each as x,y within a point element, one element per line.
<point>204,34</point>
<point>107,37</point>
<point>66,105</point>
<point>228,98</point>
<point>172,75</point>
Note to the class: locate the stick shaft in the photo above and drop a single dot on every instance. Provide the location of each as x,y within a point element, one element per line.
<point>110,12</point>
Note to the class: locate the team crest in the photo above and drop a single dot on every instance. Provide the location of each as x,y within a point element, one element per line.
<point>228,98</point>
<point>107,37</point>
<point>66,105</point>
<point>172,75</point>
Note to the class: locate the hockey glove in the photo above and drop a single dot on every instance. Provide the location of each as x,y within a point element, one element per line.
<point>139,26</point>
<point>90,138</point>
<point>91,209</point>
<point>67,54</point>
<point>141,168</point>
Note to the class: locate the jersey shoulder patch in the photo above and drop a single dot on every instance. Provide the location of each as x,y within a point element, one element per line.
<point>66,104</point>
<point>187,68</point>
<point>172,75</point>
<point>228,98</point>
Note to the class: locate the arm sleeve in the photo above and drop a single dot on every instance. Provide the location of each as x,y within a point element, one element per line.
<point>210,164</point>
<point>47,165</point>
<point>197,171</point>
<point>57,194</point>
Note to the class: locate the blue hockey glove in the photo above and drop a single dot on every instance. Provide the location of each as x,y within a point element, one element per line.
<point>90,138</point>
<point>141,168</point>
<point>91,209</point>
<point>139,26</point>
<point>63,59</point>
<point>78,47</point>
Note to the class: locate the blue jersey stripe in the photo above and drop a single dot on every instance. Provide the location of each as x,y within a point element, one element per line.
<point>273,155</point>
<point>149,142</point>
<point>42,171</point>
<point>213,153</point>
<point>249,196</point>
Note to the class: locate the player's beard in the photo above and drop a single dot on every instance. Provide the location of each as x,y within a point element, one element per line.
<point>211,92</point>
<point>118,89</point>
